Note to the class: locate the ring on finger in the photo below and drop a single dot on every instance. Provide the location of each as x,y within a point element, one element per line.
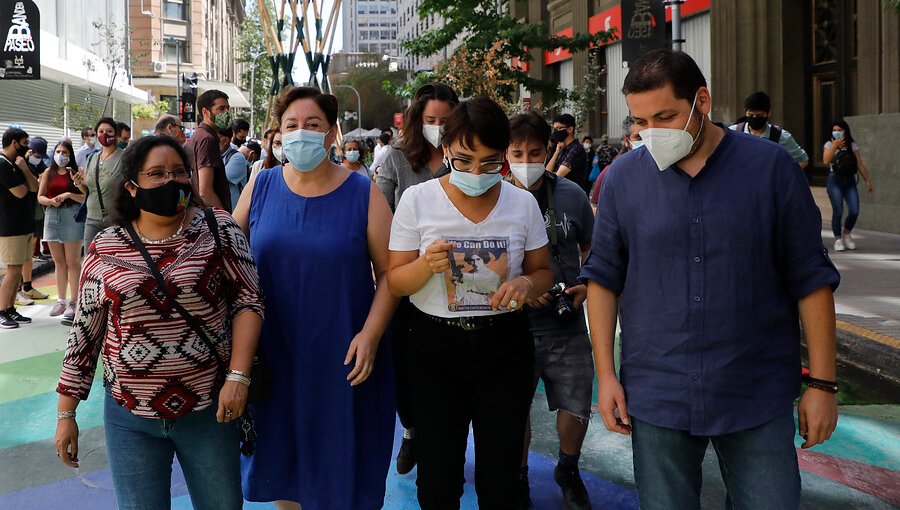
<point>513,304</point>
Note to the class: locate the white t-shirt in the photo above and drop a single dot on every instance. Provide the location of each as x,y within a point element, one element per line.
<point>487,253</point>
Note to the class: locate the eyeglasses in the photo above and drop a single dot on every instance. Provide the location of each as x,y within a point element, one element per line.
<point>161,176</point>
<point>178,126</point>
<point>467,165</point>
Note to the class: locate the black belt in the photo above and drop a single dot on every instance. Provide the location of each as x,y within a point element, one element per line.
<point>473,323</point>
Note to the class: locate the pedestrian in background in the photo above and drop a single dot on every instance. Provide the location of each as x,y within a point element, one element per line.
<point>62,198</point>
<point>383,145</point>
<point>162,406</point>
<point>561,344</point>
<point>684,236</point>
<point>470,250</point>
<point>569,159</point>
<point>205,149</point>
<point>274,157</point>
<point>89,146</point>
<point>99,178</point>
<point>758,112</point>
<point>37,164</point>
<point>170,125</point>
<point>418,157</point>
<point>319,233</point>
<point>354,157</point>
<point>606,153</point>
<point>124,136</point>
<point>16,221</point>
<point>844,162</point>
<point>631,140</point>
<point>240,131</point>
<point>266,143</point>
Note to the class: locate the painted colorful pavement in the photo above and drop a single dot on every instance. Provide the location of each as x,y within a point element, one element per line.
<point>858,469</point>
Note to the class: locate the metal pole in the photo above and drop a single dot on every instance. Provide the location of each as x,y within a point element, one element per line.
<point>676,23</point>
<point>358,104</point>
<point>178,72</point>
<point>253,97</point>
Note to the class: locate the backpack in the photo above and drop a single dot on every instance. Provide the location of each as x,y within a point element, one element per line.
<point>774,131</point>
<point>843,164</point>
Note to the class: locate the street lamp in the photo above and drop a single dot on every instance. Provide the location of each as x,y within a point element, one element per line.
<point>358,104</point>
<point>253,89</point>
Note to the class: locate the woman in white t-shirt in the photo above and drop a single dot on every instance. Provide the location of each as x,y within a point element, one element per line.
<point>844,162</point>
<point>470,250</point>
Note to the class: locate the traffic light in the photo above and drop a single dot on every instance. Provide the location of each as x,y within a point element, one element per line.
<point>188,100</point>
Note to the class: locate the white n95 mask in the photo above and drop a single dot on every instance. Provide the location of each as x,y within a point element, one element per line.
<point>669,146</point>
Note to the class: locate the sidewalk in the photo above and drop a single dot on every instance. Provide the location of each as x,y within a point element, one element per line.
<point>868,300</point>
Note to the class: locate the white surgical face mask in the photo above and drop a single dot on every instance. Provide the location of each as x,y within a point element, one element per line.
<point>433,133</point>
<point>35,160</point>
<point>61,159</point>
<point>669,146</point>
<point>278,152</point>
<point>586,146</point>
<point>527,173</point>
<point>636,144</point>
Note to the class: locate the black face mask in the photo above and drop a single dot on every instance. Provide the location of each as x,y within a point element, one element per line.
<point>757,122</point>
<point>22,150</point>
<point>169,199</point>
<point>560,135</point>
<point>239,141</point>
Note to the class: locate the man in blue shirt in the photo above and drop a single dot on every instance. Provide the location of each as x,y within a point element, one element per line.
<point>712,272</point>
<point>758,110</point>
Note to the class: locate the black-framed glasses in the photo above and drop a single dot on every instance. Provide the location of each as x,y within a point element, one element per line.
<point>179,126</point>
<point>467,165</point>
<point>161,176</point>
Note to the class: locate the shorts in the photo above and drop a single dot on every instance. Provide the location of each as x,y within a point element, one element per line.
<point>566,365</point>
<point>16,250</point>
<point>60,225</point>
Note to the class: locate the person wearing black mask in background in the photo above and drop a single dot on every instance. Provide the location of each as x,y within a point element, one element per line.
<point>758,111</point>
<point>240,129</point>
<point>569,159</point>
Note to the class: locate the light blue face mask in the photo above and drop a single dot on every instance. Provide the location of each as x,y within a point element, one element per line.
<point>304,149</point>
<point>636,144</point>
<point>352,156</point>
<point>472,184</point>
<point>837,134</point>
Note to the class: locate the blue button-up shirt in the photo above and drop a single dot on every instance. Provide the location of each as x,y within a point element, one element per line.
<point>709,271</point>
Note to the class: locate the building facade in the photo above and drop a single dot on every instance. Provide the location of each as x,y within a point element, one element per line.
<point>78,67</point>
<point>409,26</point>
<point>819,60</point>
<point>169,37</point>
<point>370,26</point>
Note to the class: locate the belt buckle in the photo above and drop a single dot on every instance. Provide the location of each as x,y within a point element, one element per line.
<point>467,323</point>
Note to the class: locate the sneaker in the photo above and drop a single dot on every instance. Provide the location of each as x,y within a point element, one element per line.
<point>70,311</point>
<point>848,241</point>
<point>575,496</point>
<point>67,322</point>
<point>839,245</point>
<point>406,458</point>
<point>18,317</point>
<point>58,309</point>
<point>7,322</point>
<point>35,294</point>
<point>523,498</point>
<point>22,299</point>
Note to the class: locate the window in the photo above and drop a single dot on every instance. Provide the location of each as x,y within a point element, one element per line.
<point>171,49</point>
<point>175,9</point>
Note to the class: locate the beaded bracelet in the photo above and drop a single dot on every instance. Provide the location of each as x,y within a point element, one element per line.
<point>65,415</point>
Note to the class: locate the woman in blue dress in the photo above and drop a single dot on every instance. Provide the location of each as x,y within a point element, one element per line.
<point>318,232</point>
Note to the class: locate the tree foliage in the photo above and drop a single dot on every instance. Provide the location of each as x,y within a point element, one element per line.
<point>378,105</point>
<point>486,27</point>
<point>249,45</point>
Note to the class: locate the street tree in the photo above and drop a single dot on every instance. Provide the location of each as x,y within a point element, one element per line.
<point>486,26</point>
<point>378,105</point>
<point>250,50</point>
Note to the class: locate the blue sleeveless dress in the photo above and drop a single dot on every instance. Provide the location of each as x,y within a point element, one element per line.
<point>321,443</point>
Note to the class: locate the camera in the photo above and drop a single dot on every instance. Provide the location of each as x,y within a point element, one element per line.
<point>561,305</point>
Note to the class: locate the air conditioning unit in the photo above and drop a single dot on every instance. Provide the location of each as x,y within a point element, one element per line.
<point>159,67</point>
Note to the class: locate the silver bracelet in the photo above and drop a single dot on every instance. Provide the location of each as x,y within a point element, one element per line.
<point>65,415</point>
<point>238,372</point>
<point>238,379</point>
<point>527,279</point>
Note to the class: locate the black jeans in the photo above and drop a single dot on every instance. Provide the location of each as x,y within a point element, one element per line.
<point>482,377</point>
<point>399,329</point>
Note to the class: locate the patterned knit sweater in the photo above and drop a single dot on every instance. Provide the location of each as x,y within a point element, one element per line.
<point>154,364</point>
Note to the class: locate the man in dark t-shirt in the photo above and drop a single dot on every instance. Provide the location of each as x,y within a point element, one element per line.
<point>203,149</point>
<point>16,220</point>
<point>569,160</point>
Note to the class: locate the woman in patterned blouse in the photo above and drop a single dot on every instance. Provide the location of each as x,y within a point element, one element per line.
<point>162,381</point>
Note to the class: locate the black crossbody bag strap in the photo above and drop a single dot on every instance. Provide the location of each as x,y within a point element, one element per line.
<point>191,321</point>
<point>96,157</point>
